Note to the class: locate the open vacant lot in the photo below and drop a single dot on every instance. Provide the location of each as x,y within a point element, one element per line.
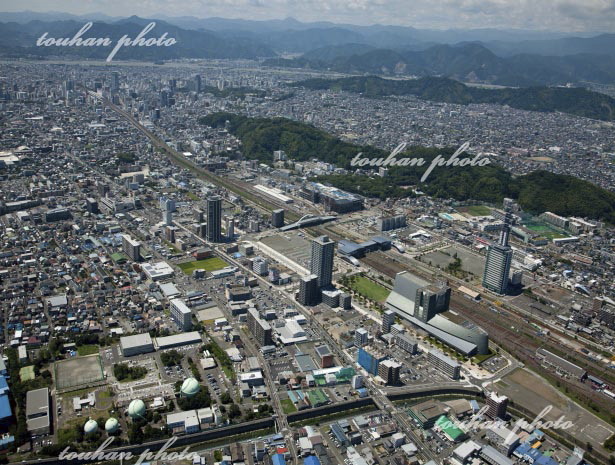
<point>530,390</point>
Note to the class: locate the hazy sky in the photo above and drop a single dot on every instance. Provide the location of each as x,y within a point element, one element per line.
<point>559,15</point>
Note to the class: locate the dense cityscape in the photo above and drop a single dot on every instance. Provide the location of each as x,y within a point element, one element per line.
<point>159,282</point>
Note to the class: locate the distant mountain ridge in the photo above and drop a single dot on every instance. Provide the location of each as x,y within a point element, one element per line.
<point>19,40</point>
<point>469,62</point>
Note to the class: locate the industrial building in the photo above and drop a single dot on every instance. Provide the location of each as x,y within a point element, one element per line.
<point>332,198</point>
<point>560,364</point>
<point>136,344</point>
<point>177,340</point>
<point>38,418</point>
<point>352,249</point>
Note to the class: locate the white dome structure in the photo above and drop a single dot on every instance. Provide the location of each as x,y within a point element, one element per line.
<point>190,387</point>
<point>112,425</point>
<point>90,426</point>
<point>136,409</point>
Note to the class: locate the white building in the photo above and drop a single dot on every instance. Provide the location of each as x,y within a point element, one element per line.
<point>181,314</point>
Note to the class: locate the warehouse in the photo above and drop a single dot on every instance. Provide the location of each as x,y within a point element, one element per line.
<point>136,344</point>
<point>177,340</point>
<point>37,412</point>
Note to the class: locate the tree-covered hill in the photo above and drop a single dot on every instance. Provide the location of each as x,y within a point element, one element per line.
<point>536,192</point>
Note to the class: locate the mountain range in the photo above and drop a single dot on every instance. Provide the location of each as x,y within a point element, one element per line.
<point>19,40</point>
<point>468,62</point>
<point>503,57</point>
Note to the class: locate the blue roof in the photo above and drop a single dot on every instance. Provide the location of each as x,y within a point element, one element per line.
<point>3,385</point>
<point>544,460</point>
<point>311,460</point>
<point>5,407</point>
<point>278,459</point>
<point>523,448</point>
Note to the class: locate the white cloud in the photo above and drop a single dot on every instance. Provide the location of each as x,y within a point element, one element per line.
<point>562,15</point>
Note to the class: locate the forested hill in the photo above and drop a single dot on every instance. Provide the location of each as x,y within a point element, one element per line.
<point>536,192</point>
<point>575,101</point>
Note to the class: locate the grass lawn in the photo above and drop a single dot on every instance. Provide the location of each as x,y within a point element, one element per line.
<point>370,289</point>
<point>193,196</point>
<point>288,406</point>
<point>209,264</point>
<point>478,359</point>
<point>476,210</point>
<point>88,349</point>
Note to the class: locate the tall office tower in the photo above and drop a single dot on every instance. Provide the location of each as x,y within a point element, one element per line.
<point>499,257</point>
<point>167,204</point>
<point>131,248</point>
<point>91,205</point>
<point>431,300</point>
<point>214,219</point>
<point>201,230</point>
<point>322,260</point>
<point>167,218</point>
<point>388,319</point>
<point>230,227</point>
<point>497,405</point>
<point>277,218</point>
<point>308,290</point>
<point>361,337</point>
<point>115,81</point>
<point>164,98</point>
<point>197,83</point>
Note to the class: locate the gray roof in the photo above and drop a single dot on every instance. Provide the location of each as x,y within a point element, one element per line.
<point>136,340</point>
<point>401,299</point>
<point>494,457</point>
<point>457,343</point>
<point>305,363</point>
<point>37,409</point>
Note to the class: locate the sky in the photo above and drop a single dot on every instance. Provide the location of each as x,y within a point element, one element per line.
<point>552,15</point>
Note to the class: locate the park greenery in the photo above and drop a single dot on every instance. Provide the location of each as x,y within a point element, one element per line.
<point>171,358</point>
<point>124,372</point>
